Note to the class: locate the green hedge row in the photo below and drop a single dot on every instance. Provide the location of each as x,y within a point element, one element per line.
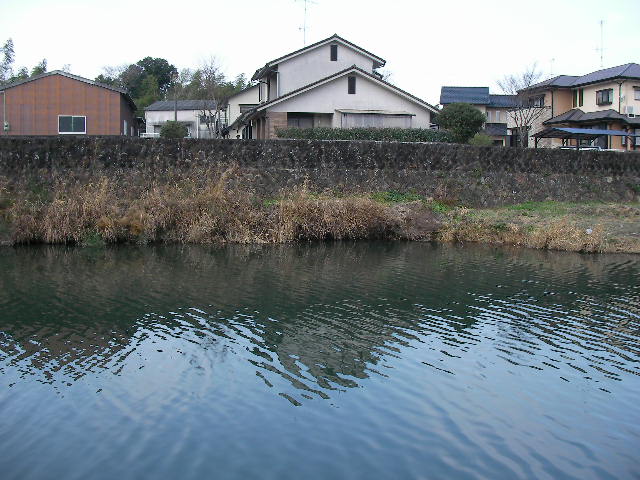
<point>380,134</point>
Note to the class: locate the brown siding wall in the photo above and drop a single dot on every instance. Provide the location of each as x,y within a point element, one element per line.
<point>562,101</point>
<point>33,107</point>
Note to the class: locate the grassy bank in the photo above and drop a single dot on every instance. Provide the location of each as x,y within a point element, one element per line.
<point>197,209</point>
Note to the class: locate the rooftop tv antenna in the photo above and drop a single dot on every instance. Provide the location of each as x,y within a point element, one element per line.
<point>601,49</point>
<point>304,24</point>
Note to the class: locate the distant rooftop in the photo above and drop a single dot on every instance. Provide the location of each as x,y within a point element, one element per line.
<point>169,105</point>
<point>474,96</point>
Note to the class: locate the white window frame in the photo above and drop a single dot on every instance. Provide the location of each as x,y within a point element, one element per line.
<point>636,93</point>
<point>72,117</point>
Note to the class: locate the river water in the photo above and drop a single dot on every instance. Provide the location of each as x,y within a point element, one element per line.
<point>363,360</point>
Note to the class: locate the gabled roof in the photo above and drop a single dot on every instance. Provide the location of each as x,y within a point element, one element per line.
<point>346,71</point>
<point>472,95</point>
<point>73,77</point>
<point>335,38</point>
<point>628,70</point>
<point>169,105</point>
<point>576,115</point>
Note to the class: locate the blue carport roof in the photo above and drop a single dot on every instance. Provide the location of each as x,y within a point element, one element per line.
<point>561,132</point>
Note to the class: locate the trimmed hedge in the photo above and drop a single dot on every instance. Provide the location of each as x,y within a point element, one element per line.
<point>379,134</point>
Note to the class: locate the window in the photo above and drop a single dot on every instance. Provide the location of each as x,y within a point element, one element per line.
<point>352,85</point>
<point>496,116</point>
<point>604,97</point>
<point>636,93</point>
<point>245,107</point>
<point>70,124</point>
<point>488,116</point>
<point>578,97</point>
<point>536,101</point>
<point>207,118</point>
<point>334,53</point>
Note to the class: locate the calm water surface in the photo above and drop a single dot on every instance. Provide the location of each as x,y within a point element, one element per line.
<point>368,360</point>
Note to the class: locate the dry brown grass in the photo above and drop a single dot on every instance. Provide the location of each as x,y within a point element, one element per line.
<point>191,210</point>
<point>204,207</point>
<point>555,234</point>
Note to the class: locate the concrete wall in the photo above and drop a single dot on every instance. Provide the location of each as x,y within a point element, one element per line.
<point>475,176</point>
<point>313,65</point>
<point>369,95</point>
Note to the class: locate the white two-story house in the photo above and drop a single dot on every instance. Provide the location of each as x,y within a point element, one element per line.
<point>332,83</point>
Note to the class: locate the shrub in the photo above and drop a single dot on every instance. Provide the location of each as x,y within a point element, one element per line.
<point>481,139</point>
<point>378,134</point>
<point>462,120</point>
<point>173,130</point>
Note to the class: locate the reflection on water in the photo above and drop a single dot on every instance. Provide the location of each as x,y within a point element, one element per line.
<point>404,360</point>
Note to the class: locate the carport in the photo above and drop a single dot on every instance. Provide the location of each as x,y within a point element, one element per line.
<point>578,134</point>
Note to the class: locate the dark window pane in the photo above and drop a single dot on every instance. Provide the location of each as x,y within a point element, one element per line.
<point>334,53</point>
<point>352,85</point>
<point>78,124</point>
<point>64,124</point>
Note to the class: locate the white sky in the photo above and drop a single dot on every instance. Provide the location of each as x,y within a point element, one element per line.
<point>426,43</point>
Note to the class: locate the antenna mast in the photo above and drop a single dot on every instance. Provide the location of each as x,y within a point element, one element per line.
<point>601,44</point>
<point>304,24</point>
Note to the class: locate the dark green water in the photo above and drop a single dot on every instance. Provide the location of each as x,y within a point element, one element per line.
<point>368,360</point>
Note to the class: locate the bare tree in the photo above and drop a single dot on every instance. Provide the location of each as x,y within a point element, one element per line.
<point>528,105</point>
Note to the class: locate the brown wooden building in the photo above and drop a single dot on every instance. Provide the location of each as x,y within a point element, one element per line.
<point>58,103</point>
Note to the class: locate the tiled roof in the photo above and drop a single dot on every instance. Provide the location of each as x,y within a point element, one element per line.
<point>628,70</point>
<point>380,62</point>
<point>169,105</point>
<point>623,71</point>
<point>502,100</point>
<point>559,81</point>
<point>578,116</point>
<point>472,95</point>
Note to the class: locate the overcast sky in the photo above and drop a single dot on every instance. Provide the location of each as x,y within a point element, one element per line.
<point>426,43</point>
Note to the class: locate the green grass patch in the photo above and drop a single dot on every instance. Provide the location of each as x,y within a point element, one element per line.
<point>392,196</point>
<point>93,240</point>
<point>546,207</point>
<point>439,207</point>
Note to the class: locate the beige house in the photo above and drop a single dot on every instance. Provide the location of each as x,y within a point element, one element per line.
<point>494,107</point>
<point>332,83</point>
<point>606,99</point>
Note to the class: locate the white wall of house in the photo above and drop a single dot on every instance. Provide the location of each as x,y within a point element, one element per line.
<point>246,97</point>
<point>316,64</point>
<point>334,96</point>
<point>628,97</point>
<point>155,119</point>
